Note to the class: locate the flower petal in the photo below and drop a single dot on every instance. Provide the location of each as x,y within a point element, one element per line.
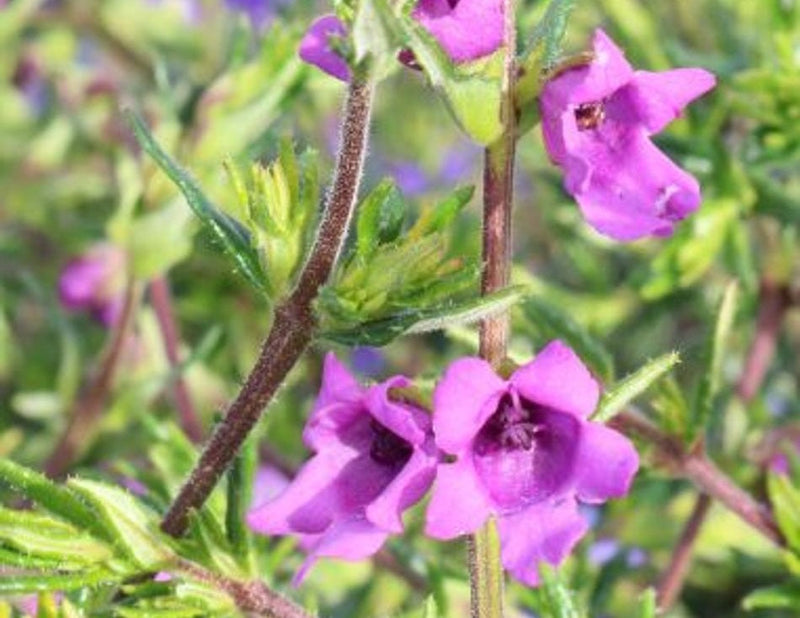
<point>352,539</point>
<point>605,74</point>
<point>558,379</point>
<point>410,423</point>
<point>333,484</point>
<point>543,532</point>
<point>465,397</point>
<point>459,505</point>
<point>606,463</point>
<point>634,189</point>
<point>337,406</point>
<point>405,490</point>
<point>659,98</point>
<point>315,47</point>
<point>470,30</point>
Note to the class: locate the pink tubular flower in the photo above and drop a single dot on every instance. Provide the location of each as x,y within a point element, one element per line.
<point>466,30</point>
<point>525,453</point>
<point>597,120</point>
<point>374,459</point>
<point>94,282</point>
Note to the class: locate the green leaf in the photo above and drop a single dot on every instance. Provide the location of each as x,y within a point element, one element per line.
<point>240,493</point>
<point>446,211</point>
<point>714,355</point>
<point>554,323</point>
<point>380,218</point>
<point>57,499</point>
<point>40,535</point>
<point>545,40</point>
<point>234,239</point>
<point>785,500</point>
<point>134,528</point>
<point>382,331</point>
<point>647,604</point>
<point>616,398</point>
<point>782,596</point>
<point>23,584</point>
<point>560,599</point>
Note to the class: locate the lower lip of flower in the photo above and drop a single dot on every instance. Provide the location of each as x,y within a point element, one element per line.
<point>387,448</point>
<point>589,116</point>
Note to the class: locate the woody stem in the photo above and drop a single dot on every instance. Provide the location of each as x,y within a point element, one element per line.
<point>486,571</point>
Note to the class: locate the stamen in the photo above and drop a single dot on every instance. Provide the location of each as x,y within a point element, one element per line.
<point>388,448</point>
<point>590,115</point>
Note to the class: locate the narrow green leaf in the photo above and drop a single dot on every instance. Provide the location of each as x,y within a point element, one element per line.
<point>545,40</point>
<point>380,217</point>
<point>233,237</point>
<point>381,331</point>
<point>40,535</point>
<point>21,560</point>
<point>714,355</point>
<point>555,323</point>
<point>240,493</point>
<point>57,499</point>
<point>22,584</point>
<point>467,312</point>
<point>629,388</point>
<point>135,529</point>
<point>647,604</point>
<point>446,211</point>
<point>560,599</point>
<point>782,596</point>
<point>785,500</point>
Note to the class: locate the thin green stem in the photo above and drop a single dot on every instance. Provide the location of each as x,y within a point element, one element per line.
<point>486,571</point>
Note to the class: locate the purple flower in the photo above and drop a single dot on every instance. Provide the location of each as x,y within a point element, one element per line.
<point>466,30</point>
<point>374,459</point>
<point>524,453</point>
<point>94,283</point>
<point>315,48</point>
<point>597,121</point>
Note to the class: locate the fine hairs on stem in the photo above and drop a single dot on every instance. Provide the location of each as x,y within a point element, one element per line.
<point>293,324</point>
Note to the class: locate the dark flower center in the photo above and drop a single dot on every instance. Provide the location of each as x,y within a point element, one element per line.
<point>511,428</point>
<point>387,448</point>
<point>525,452</point>
<point>590,115</point>
<point>453,3</point>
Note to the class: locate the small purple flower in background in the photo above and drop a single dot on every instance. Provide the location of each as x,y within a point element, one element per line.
<point>597,121</point>
<point>466,30</point>
<point>374,458</point>
<point>525,453</point>
<point>367,360</point>
<point>94,282</point>
<point>260,12</point>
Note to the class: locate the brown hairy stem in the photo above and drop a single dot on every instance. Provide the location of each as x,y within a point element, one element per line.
<point>252,597</point>
<point>293,324</point>
<point>774,301</point>
<point>88,408</point>
<point>483,554</point>
<point>161,299</point>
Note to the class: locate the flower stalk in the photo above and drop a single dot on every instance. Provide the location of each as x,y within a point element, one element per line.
<point>89,406</point>
<point>293,325</point>
<point>486,571</point>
